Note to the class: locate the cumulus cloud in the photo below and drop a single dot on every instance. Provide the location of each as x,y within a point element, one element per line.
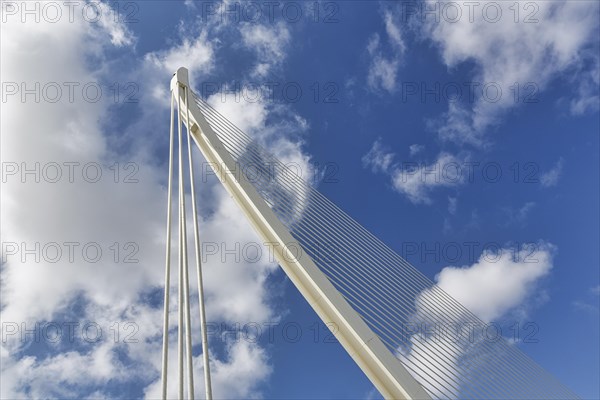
<point>284,138</point>
<point>246,364</point>
<point>105,213</point>
<point>38,212</point>
<point>561,39</point>
<point>499,281</point>
<point>196,55</point>
<point>77,211</point>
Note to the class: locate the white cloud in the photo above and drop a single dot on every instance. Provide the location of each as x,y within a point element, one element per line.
<point>246,364</point>
<point>383,69</point>
<point>269,42</point>
<point>519,216</point>
<point>120,35</point>
<point>586,80</point>
<point>551,177</point>
<point>100,213</point>
<point>417,182</point>
<point>393,31</point>
<point>585,307</point>
<point>499,281</point>
<point>443,368</point>
<point>283,138</point>
<point>105,213</point>
<point>588,306</point>
<point>236,288</point>
<point>382,73</point>
<point>457,125</point>
<point>62,211</point>
<point>505,52</point>
<point>378,158</point>
<point>498,284</point>
<point>249,116</point>
<point>587,99</point>
<point>452,205</point>
<point>373,44</point>
<point>196,55</point>
<point>416,149</point>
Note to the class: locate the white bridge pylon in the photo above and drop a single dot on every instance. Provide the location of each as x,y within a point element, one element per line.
<point>384,370</point>
<point>180,95</point>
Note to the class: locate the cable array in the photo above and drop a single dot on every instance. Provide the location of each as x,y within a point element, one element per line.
<point>437,339</point>
<point>184,327</point>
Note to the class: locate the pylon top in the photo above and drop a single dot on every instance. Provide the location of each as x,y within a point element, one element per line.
<point>181,78</point>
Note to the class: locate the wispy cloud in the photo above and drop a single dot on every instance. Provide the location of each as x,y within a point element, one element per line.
<point>383,68</point>
<point>519,216</point>
<point>416,149</point>
<point>452,205</point>
<point>551,177</point>
<point>586,305</point>
<point>269,42</point>
<point>416,181</point>
<point>379,158</point>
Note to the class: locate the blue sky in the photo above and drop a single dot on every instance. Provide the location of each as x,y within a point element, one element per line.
<point>374,128</point>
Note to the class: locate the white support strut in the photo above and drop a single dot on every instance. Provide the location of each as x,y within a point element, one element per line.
<point>384,370</point>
